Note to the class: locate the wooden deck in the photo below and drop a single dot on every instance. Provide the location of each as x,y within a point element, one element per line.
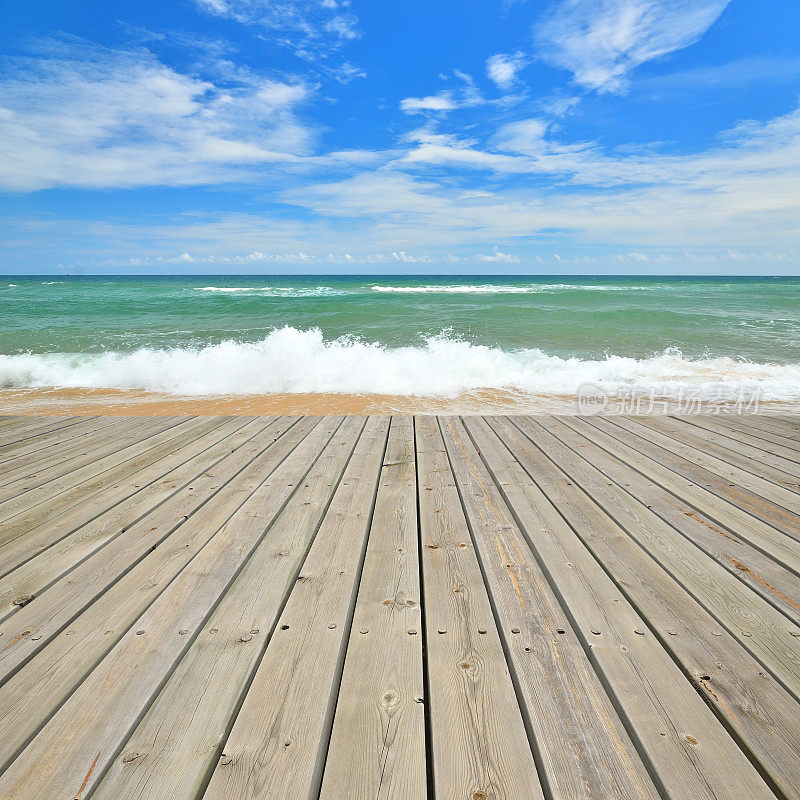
<point>345,608</point>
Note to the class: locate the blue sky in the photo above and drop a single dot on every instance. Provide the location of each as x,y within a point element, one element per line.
<point>570,136</point>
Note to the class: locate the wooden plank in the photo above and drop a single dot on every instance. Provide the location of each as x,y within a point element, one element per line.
<point>760,714</point>
<point>33,508</point>
<point>781,425</point>
<point>752,444</point>
<point>82,455</point>
<point>181,736</point>
<point>700,453</point>
<point>47,444</point>
<point>32,468</point>
<point>27,534</point>
<point>24,501</point>
<point>193,516</point>
<point>197,460</point>
<point>744,425</point>
<point>23,544</point>
<point>770,541</point>
<point>479,743</point>
<point>727,484</point>
<point>583,747</point>
<point>75,746</point>
<point>651,443</point>
<point>759,572</point>
<point>759,627</point>
<point>89,621</point>
<point>377,747</point>
<point>277,744</point>
<point>25,428</point>
<point>766,466</point>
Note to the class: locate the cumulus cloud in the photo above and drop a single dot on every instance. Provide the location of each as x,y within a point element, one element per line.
<point>502,69</point>
<point>79,115</point>
<point>499,257</point>
<point>601,41</point>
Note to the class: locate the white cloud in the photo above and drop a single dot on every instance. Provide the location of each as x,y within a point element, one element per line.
<point>498,257</point>
<point>523,136</point>
<point>601,41</point>
<point>435,102</point>
<point>741,192</point>
<point>343,26</point>
<point>311,28</point>
<point>502,69</point>
<point>86,116</point>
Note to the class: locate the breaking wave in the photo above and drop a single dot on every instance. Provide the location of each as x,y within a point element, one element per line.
<point>273,291</point>
<point>493,288</point>
<point>299,361</point>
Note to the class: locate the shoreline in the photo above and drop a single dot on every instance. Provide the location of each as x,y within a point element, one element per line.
<point>101,402</point>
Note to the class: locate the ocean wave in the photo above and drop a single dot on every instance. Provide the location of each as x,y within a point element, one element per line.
<point>273,291</point>
<point>299,361</point>
<point>489,288</point>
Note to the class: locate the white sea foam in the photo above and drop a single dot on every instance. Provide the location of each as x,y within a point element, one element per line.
<point>274,291</point>
<point>292,360</point>
<point>490,288</point>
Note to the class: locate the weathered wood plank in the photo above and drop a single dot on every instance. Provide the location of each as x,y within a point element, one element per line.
<point>780,424</point>
<point>749,702</point>
<point>33,469</point>
<point>212,500</point>
<point>727,486</point>
<point>45,445</point>
<point>700,453</point>
<point>582,745</point>
<point>90,728</point>
<point>101,606</point>
<point>57,492</point>
<point>20,541</point>
<point>479,744</point>
<point>750,444</point>
<point>771,542</point>
<point>762,574</point>
<point>763,465</point>
<point>31,566</point>
<point>758,626</point>
<point>173,749</point>
<point>22,429</point>
<point>377,748</point>
<point>277,744</point>
<point>110,445</point>
<point>747,425</point>
<point>33,508</point>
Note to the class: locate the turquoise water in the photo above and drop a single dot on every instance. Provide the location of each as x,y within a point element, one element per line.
<point>400,335</point>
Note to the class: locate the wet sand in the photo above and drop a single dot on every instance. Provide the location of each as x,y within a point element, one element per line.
<point>136,402</point>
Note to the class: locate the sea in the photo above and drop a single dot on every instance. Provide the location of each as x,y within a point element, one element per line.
<point>404,336</point>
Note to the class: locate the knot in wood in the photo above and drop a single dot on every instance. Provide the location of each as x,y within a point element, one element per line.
<point>23,600</point>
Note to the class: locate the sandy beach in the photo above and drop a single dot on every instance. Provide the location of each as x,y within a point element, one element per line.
<point>135,402</point>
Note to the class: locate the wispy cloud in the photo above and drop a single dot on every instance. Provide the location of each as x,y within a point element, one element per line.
<point>602,41</point>
<point>310,28</point>
<point>78,115</point>
<point>741,190</point>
